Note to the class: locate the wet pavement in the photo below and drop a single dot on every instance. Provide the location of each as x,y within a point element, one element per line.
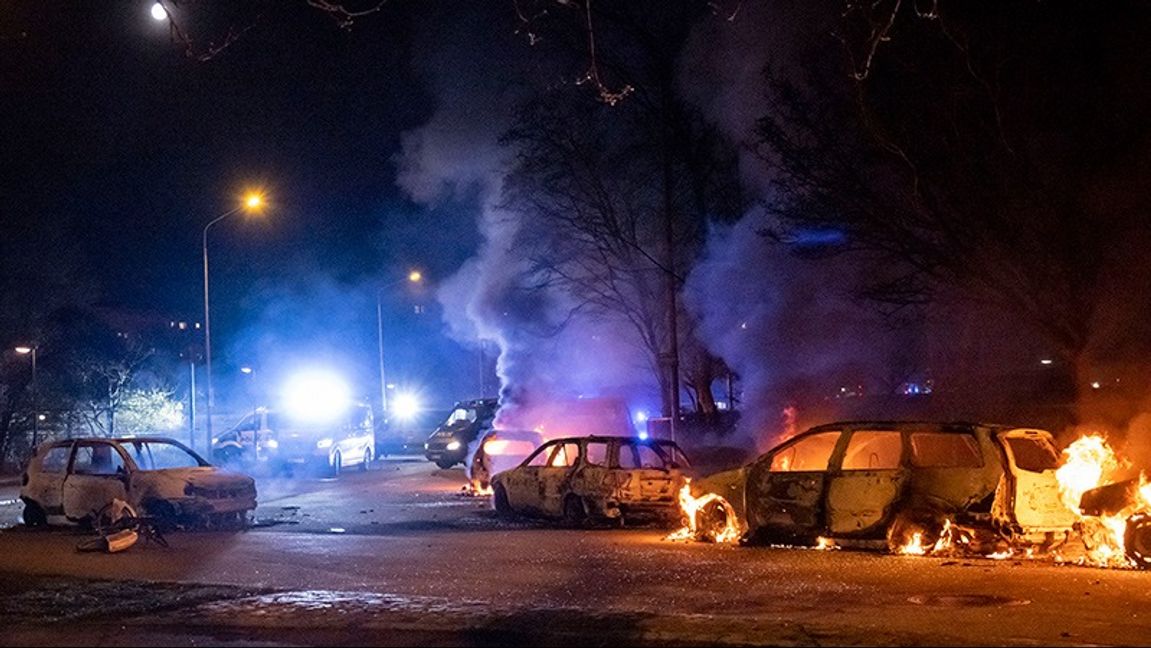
<point>396,556</point>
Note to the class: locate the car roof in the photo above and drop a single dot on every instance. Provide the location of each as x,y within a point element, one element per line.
<point>123,439</point>
<point>957,427</point>
<point>603,437</point>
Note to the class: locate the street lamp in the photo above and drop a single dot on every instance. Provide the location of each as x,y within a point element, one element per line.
<point>414,277</point>
<point>31,351</point>
<point>252,203</point>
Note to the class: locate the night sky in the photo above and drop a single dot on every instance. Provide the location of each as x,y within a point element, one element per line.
<point>117,139</point>
<point>379,150</point>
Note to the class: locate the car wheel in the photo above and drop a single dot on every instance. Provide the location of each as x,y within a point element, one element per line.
<point>367,460</point>
<point>34,514</point>
<point>1137,540</point>
<point>500,501</point>
<point>337,465</point>
<point>906,525</point>
<point>445,464</point>
<point>574,514</point>
<point>162,513</point>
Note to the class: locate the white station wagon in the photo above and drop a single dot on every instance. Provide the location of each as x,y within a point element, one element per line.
<point>71,482</point>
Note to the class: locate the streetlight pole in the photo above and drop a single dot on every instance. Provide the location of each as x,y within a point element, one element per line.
<point>31,350</point>
<point>414,277</point>
<point>252,202</point>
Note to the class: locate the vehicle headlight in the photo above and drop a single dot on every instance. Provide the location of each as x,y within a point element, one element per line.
<point>215,440</point>
<point>324,443</point>
<point>453,446</point>
<point>272,443</point>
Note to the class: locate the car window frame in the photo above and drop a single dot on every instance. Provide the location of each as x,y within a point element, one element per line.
<point>833,459</point>
<point>548,447</point>
<point>900,463</point>
<point>69,451</point>
<point>115,448</point>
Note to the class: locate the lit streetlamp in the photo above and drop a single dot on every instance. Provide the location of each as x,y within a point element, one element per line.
<point>31,351</point>
<point>252,203</point>
<point>414,277</point>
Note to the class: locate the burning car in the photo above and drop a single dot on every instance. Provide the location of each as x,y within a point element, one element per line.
<point>912,487</point>
<point>578,479</point>
<point>70,482</point>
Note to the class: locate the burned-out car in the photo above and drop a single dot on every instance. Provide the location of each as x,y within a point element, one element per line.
<point>71,482</point>
<point>901,483</point>
<point>593,478</point>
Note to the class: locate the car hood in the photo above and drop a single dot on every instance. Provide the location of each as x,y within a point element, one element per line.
<point>207,476</point>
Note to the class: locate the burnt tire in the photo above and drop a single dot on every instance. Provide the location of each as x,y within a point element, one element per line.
<point>1137,540</point>
<point>500,501</point>
<point>34,514</point>
<point>163,514</point>
<point>575,515</point>
<point>906,524</point>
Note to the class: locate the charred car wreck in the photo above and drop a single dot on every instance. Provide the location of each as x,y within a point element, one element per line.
<point>909,487</point>
<point>72,482</point>
<point>595,478</point>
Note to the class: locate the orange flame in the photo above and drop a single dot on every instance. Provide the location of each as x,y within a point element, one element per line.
<point>691,507</point>
<point>1090,462</point>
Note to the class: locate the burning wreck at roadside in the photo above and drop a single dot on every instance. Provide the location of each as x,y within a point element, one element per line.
<point>931,489</point>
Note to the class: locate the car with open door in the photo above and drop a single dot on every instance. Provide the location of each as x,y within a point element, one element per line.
<point>73,481</point>
<point>895,484</point>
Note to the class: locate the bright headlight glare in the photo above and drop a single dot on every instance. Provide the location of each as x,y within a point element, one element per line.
<point>324,443</point>
<point>272,443</point>
<point>453,445</point>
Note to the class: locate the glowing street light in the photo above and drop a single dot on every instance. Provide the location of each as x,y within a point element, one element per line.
<point>414,277</point>
<point>159,12</point>
<point>251,203</point>
<point>31,351</point>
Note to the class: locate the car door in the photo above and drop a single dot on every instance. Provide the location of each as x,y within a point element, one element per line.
<point>1031,496</point>
<point>555,477</point>
<point>98,474</point>
<point>46,485</point>
<point>863,488</point>
<point>785,488</point>
<point>645,474</point>
<point>523,485</point>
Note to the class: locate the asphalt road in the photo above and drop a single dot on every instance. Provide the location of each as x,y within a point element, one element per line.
<point>396,556</point>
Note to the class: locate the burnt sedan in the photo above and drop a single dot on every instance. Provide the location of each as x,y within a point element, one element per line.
<point>73,482</point>
<point>912,487</point>
<point>592,478</point>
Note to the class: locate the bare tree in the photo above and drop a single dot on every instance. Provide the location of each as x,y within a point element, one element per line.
<point>988,150</point>
<point>600,189</point>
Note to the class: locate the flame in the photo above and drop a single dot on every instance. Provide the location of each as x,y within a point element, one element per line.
<point>1086,462</point>
<point>914,546</point>
<point>691,506</point>
<point>824,544</point>
<point>1090,462</point>
<point>950,535</point>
